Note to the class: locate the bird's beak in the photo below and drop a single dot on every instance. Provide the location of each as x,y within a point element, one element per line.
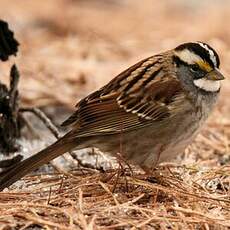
<point>215,75</point>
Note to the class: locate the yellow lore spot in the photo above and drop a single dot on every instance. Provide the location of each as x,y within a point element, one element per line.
<point>204,65</point>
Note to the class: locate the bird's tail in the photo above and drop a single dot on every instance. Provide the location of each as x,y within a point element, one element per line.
<point>61,146</point>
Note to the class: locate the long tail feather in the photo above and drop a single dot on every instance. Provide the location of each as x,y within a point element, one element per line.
<point>44,156</point>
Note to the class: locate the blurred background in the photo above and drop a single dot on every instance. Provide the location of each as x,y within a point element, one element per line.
<point>71,47</point>
<point>68,48</point>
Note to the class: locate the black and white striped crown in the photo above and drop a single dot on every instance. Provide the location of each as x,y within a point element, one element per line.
<point>203,50</point>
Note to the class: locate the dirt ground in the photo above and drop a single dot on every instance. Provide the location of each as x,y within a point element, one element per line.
<point>69,48</point>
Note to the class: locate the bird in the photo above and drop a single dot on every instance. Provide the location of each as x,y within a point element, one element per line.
<point>154,110</point>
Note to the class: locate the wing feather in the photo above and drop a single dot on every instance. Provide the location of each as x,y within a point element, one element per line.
<point>135,98</point>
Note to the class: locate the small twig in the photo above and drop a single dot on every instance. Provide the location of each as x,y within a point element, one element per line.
<point>30,127</point>
<point>13,93</point>
<point>86,165</point>
<point>117,178</point>
<point>49,195</point>
<point>104,186</point>
<point>61,184</point>
<point>41,115</point>
<point>59,169</point>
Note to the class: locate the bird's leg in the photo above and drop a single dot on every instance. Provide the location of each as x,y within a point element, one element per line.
<point>156,162</point>
<point>122,160</point>
<point>151,172</point>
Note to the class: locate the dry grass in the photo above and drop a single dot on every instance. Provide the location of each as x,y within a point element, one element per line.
<point>73,47</point>
<point>169,200</point>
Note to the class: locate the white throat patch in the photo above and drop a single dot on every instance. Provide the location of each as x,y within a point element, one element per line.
<point>207,85</point>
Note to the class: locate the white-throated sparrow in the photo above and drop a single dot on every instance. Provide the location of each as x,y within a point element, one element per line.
<point>153,110</point>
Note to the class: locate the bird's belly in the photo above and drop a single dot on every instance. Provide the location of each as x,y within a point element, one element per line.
<point>149,146</point>
<point>174,142</point>
<point>157,150</point>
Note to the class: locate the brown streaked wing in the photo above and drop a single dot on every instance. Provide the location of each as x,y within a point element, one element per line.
<point>106,117</point>
<point>114,86</point>
<point>151,101</point>
<point>141,92</point>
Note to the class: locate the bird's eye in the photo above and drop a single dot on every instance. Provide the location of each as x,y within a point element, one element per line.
<point>194,68</point>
